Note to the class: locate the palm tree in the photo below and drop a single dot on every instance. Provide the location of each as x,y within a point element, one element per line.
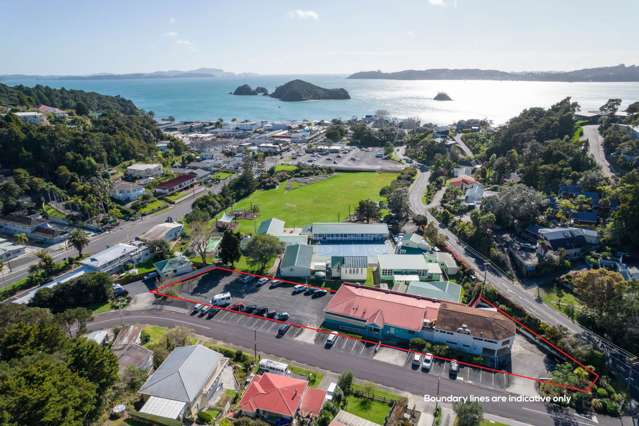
<point>22,238</point>
<point>79,239</point>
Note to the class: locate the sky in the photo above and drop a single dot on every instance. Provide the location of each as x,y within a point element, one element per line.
<point>314,37</point>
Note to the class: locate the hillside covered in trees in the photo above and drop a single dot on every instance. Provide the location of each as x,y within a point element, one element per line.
<point>68,158</point>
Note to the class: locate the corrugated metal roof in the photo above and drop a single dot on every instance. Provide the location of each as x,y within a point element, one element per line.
<point>163,407</point>
<point>349,228</point>
<point>297,255</point>
<point>183,374</point>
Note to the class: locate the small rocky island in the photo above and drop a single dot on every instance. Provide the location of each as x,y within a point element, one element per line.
<point>442,96</point>
<point>300,90</point>
<point>246,90</point>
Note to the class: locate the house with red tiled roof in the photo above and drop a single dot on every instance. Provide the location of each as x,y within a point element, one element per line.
<point>176,184</point>
<point>463,182</point>
<point>273,397</point>
<point>397,318</point>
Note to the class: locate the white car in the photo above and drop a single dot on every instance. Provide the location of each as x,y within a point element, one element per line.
<point>427,361</point>
<point>332,338</point>
<point>261,282</point>
<point>417,360</point>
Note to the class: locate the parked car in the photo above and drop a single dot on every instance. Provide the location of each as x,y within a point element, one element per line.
<point>319,293</point>
<point>150,275</point>
<point>250,308</point>
<point>196,308</point>
<point>282,316</point>
<point>427,361</point>
<point>263,310</point>
<point>309,291</point>
<point>261,282</point>
<point>246,279</point>
<point>236,307</point>
<point>454,368</point>
<point>211,312</point>
<point>203,311</point>
<point>282,330</point>
<point>332,338</point>
<point>417,360</point>
<point>275,283</point>
<point>299,289</point>
<point>271,314</point>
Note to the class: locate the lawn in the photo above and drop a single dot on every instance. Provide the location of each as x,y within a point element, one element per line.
<point>176,195</point>
<point>152,207</point>
<point>368,409</point>
<point>314,377</point>
<point>100,309</point>
<point>491,423</point>
<point>378,392</point>
<point>155,333</point>
<point>52,212</point>
<point>328,200</point>
<point>370,278</point>
<point>285,168</point>
<point>222,175</point>
<point>551,297</point>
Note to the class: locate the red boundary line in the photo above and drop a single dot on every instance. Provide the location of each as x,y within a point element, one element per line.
<point>208,269</point>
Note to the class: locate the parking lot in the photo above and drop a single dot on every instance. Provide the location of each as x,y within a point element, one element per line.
<point>302,309</point>
<point>356,159</point>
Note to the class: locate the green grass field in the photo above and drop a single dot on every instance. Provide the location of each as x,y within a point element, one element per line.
<point>371,410</point>
<point>285,168</point>
<point>550,296</point>
<point>221,175</point>
<point>328,200</point>
<point>152,207</point>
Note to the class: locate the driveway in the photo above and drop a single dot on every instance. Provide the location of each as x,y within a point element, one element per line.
<point>595,147</point>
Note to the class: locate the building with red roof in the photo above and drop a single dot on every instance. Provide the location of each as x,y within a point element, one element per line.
<point>463,181</point>
<point>176,184</point>
<point>273,396</point>
<point>395,318</point>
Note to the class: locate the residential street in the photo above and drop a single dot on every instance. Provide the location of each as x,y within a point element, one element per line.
<point>126,231</point>
<point>502,283</point>
<point>390,375</point>
<point>595,147</point>
<point>462,145</point>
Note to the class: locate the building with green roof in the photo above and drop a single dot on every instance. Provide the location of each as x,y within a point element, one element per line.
<point>438,290</point>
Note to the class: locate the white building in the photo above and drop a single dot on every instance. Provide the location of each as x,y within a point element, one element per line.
<point>142,170</point>
<point>349,268</point>
<point>31,117</point>
<point>445,260</point>
<point>474,194</point>
<point>167,231</point>
<point>114,258</point>
<point>126,191</point>
<point>297,261</point>
<point>9,251</point>
<point>173,267</point>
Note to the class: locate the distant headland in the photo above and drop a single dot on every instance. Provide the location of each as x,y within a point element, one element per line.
<point>295,91</point>
<point>602,74</point>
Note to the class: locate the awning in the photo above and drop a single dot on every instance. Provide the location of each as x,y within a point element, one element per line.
<point>405,278</point>
<point>162,407</point>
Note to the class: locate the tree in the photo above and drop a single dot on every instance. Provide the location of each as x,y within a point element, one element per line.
<point>46,263</point>
<point>601,290</point>
<point>398,203</point>
<point>160,249</point>
<point>43,391</point>
<point>367,210</point>
<point>626,218</point>
<point>201,233</point>
<point>516,206</point>
<point>261,249</point>
<point>468,413</point>
<point>74,320</point>
<point>88,290</point>
<point>230,248</point>
<point>417,344</point>
<point>22,238</point>
<point>20,339</point>
<point>79,240</point>
<point>345,382</point>
<point>93,362</point>
<point>610,107</point>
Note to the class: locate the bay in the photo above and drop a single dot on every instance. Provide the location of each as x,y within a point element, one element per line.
<point>209,98</point>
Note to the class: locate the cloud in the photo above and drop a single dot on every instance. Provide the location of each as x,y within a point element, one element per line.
<point>443,3</point>
<point>171,20</point>
<point>171,34</point>
<point>303,14</point>
<point>187,44</point>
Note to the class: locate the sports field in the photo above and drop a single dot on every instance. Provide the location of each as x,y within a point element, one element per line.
<point>327,200</point>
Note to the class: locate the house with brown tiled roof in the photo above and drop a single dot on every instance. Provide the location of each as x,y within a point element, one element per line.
<point>274,397</point>
<point>397,318</point>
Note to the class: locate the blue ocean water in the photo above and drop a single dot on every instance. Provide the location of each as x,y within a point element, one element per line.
<point>209,98</point>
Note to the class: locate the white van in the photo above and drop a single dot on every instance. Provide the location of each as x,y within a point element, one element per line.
<point>270,366</point>
<point>331,391</point>
<point>223,299</point>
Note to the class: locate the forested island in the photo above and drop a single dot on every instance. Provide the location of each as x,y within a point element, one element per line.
<point>300,90</point>
<point>600,74</point>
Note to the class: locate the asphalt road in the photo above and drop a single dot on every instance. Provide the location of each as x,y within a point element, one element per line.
<point>127,231</point>
<point>462,145</point>
<point>401,378</point>
<point>595,147</point>
<point>511,289</point>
